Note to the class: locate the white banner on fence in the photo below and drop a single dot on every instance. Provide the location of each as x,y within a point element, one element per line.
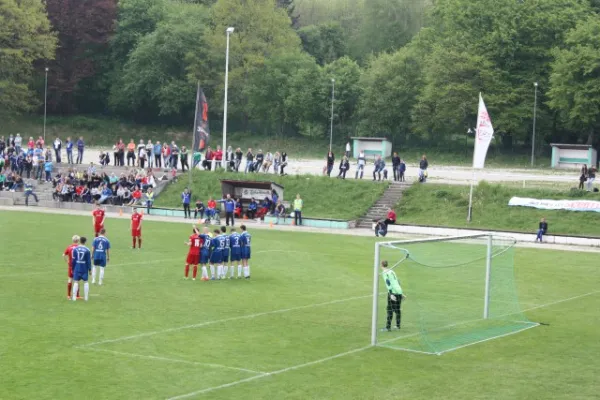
<point>248,193</point>
<point>569,205</point>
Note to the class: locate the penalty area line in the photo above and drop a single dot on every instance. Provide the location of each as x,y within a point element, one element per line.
<point>264,375</point>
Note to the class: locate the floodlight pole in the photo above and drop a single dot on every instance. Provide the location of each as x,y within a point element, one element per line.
<point>375,296</point>
<point>535,85</point>
<point>45,101</point>
<point>488,271</point>
<point>224,149</point>
<point>332,101</point>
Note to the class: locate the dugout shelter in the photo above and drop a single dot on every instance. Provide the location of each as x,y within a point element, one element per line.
<point>573,155</point>
<point>246,190</point>
<point>372,146</point>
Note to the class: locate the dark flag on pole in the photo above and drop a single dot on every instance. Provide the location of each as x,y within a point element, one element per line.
<point>201,130</point>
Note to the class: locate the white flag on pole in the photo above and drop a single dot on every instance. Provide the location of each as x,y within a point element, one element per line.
<point>483,135</point>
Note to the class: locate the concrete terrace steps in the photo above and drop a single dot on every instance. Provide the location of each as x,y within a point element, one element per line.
<point>390,198</point>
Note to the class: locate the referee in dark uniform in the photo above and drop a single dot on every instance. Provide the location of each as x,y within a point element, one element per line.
<point>394,297</point>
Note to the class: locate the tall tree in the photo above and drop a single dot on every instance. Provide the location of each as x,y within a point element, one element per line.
<point>25,36</point>
<point>575,78</point>
<point>325,42</point>
<point>154,80</point>
<point>84,29</point>
<point>348,92</point>
<point>261,30</point>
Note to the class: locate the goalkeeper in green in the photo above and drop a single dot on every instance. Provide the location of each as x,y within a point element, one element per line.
<point>394,298</point>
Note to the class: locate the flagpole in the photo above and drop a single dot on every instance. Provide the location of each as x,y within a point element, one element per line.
<point>470,212</point>
<point>194,137</point>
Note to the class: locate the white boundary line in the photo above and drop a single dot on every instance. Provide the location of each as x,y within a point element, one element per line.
<point>210,389</point>
<point>277,372</point>
<point>202,324</point>
<point>174,360</point>
<point>488,339</point>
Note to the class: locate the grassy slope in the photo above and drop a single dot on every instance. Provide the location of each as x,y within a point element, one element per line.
<point>144,292</point>
<point>446,205</point>
<point>106,131</point>
<point>323,197</point>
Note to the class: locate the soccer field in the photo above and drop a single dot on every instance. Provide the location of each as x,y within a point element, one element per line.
<point>299,329</point>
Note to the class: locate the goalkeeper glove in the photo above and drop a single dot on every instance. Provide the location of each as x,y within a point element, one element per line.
<point>392,297</point>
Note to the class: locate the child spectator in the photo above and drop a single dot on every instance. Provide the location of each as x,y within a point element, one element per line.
<point>402,170</point>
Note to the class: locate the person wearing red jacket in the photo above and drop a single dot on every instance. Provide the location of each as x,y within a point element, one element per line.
<point>218,155</point>
<point>391,217</point>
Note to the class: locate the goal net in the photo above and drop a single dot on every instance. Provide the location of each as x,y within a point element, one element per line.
<point>458,291</point>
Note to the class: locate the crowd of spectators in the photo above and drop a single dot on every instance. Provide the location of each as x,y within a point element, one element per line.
<point>380,172</point>
<point>133,187</point>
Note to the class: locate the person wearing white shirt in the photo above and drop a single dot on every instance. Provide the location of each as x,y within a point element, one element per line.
<point>348,149</point>
<point>149,150</point>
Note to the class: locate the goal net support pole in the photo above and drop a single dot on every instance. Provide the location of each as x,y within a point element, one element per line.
<point>488,271</point>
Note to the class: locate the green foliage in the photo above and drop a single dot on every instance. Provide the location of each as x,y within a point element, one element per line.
<point>154,76</point>
<point>323,197</point>
<point>575,78</point>
<point>326,42</point>
<point>25,37</point>
<point>446,205</point>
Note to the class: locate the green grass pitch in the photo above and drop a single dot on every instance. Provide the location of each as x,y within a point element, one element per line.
<point>299,329</point>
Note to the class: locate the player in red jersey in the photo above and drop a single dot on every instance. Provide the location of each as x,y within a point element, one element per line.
<point>193,257</point>
<point>98,219</point>
<point>68,256</point>
<point>136,227</point>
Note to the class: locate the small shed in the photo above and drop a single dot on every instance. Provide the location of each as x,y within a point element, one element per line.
<point>371,146</point>
<point>573,155</point>
<point>246,190</point>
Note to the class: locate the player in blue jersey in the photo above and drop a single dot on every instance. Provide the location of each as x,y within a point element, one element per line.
<point>235,244</point>
<point>216,253</point>
<point>245,240</point>
<point>82,265</point>
<point>100,255</point>
<point>226,253</point>
<point>205,253</point>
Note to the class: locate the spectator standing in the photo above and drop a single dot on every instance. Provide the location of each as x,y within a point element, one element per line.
<point>18,142</point>
<point>116,154</point>
<point>229,210</point>
<point>584,176</point>
<point>396,166</point>
<point>29,192</point>
<point>209,155</point>
<point>259,159</point>
<point>197,158</point>
<point>330,162</point>
<point>48,169</point>
<point>80,149</point>
<point>131,153</point>
<point>344,167</point>
<point>402,170</point>
<point>183,156</point>
<point>69,147</point>
<point>57,149</point>
<point>542,229</point>
<point>156,153</point>
<point>174,156</point>
<point>591,177</point>
<point>218,157</point>
<point>149,199</point>
<point>360,164</point>
<point>249,161</point>
<point>238,159</point>
<point>284,163</point>
<point>39,142</point>
<point>276,162</point>
<point>166,153</point>
<point>230,159</point>
<point>298,205</point>
<point>348,149</point>
<point>141,152</point>
<point>48,154</point>
<point>30,143</point>
<point>274,200</point>
<point>28,166</point>
<point>186,197</point>
<point>149,153</point>
<point>423,165</point>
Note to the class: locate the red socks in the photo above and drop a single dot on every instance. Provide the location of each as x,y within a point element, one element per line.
<point>187,270</point>
<point>195,272</point>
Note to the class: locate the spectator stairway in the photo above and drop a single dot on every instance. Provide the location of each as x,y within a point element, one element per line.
<point>390,198</point>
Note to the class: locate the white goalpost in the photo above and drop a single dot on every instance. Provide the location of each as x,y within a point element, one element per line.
<point>446,280</point>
